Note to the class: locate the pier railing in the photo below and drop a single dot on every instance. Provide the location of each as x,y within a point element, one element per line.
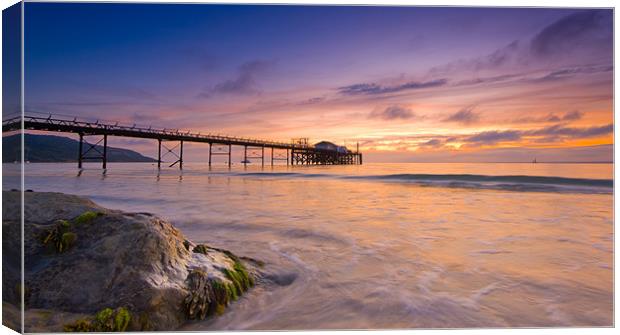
<point>97,127</point>
<point>298,153</point>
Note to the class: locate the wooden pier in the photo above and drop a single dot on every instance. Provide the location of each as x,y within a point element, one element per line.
<point>171,140</point>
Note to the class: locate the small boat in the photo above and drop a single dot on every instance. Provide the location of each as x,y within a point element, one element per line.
<point>245,161</point>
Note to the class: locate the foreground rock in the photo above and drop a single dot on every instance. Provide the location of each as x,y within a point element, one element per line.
<point>112,271</point>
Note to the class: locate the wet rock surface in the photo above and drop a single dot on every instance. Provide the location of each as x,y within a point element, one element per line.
<point>90,264</point>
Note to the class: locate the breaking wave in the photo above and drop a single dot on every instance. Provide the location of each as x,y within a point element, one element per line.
<point>510,183</point>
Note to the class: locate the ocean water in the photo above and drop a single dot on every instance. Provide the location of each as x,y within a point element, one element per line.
<point>385,245</point>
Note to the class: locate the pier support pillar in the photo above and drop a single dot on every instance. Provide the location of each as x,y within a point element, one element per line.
<point>262,156</point>
<point>217,149</point>
<point>80,149</point>
<point>245,155</point>
<point>159,153</point>
<point>181,157</point>
<point>275,155</point>
<point>93,152</point>
<point>105,151</point>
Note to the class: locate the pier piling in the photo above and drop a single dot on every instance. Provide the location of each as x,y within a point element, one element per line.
<point>80,150</point>
<point>105,151</point>
<point>210,145</point>
<point>159,153</point>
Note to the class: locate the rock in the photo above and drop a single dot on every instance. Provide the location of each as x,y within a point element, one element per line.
<point>84,259</point>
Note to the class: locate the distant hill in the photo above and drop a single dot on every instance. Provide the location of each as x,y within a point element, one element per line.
<point>49,148</point>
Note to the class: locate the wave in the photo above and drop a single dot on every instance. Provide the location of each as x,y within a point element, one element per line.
<point>509,183</point>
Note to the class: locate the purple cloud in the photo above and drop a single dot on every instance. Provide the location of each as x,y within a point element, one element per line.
<point>434,143</point>
<point>570,116</point>
<point>244,83</point>
<point>372,88</point>
<point>574,132</point>
<point>394,112</point>
<point>554,133</point>
<point>465,115</point>
<point>589,30</point>
<point>494,136</point>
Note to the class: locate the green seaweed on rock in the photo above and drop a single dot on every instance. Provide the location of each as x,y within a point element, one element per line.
<point>121,319</point>
<point>67,240</point>
<point>86,217</point>
<point>200,294</point>
<point>208,296</point>
<point>106,320</point>
<point>79,326</point>
<point>222,292</point>
<point>201,249</point>
<point>239,276</point>
<point>145,321</point>
<point>60,236</point>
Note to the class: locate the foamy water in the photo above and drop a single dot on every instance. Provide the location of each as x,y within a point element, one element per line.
<point>386,245</point>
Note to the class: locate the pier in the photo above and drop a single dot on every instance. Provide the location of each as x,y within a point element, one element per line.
<point>297,152</point>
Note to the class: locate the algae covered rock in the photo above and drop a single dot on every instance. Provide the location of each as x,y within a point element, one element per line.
<point>60,236</point>
<point>123,271</point>
<point>106,320</point>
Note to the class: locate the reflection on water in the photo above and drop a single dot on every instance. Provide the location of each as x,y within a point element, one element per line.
<point>357,253</point>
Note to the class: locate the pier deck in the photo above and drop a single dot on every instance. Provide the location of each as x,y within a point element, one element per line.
<point>296,154</point>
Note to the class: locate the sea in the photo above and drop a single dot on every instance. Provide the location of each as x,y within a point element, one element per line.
<point>383,246</point>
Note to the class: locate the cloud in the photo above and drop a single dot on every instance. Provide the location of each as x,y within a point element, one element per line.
<point>570,72</point>
<point>244,83</point>
<point>586,35</point>
<point>497,58</point>
<point>501,57</point>
<point>573,132</point>
<point>598,153</point>
<point>519,62</point>
<point>515,137</point>
<point>372,88</point>
<point>494,136</point>
<point>312,101</point>
<point>572,116</point>
<point>548,139</point>
<point>582,30</point>
<point>404,141</point>
<point>552,133</point>
<point>486,80</point>
<point>434,143</point>
<point>394,112</point>
<point>464,116</point>
<point>569,116</point>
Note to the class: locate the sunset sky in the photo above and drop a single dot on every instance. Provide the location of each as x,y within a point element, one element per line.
<point>407,83</point>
